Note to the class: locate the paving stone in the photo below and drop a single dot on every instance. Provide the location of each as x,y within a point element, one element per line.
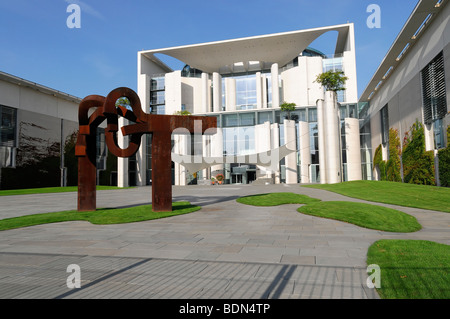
<point>225,250</point>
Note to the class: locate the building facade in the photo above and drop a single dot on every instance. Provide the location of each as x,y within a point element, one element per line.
<point>243,82</point>
<point>38,130</point>
<point>412,82</point>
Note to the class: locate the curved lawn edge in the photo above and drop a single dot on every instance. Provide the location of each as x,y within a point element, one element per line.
<point>401,194</point>
<point>276,199</point>
<point>411,269</point>
<point>107,216</point>
<point>364,215</point>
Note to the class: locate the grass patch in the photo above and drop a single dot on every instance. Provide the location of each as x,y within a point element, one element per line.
<point>99,217</point>
<point>46,190</point>
<point>275,199</point>
<point>364,215</point>
<point>402,194</point>
<point>412,269</point>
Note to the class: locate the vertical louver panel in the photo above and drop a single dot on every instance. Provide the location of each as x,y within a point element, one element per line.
<point>434,92</point>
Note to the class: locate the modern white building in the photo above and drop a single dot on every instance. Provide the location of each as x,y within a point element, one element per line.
<point>243,82</point>
<point>412,82</point>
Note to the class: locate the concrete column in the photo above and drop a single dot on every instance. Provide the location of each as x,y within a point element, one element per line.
<point>217,149</point>
<point>122,163</point>
<point>141,163</point>
<point>230,97</point>
<point>262,143</point>
<point>290,160</point>
<point>264,91</point>
<point>217,92</point>
<point>173,92</point>
<point>275,86</point>
<point>332,138</point>
<point>352,141</point>
<point>321,138</point>
<point>259,91</point>
<point>180,147</point>
<point>305,153</point>
<point>205,93</point>
<point>275,143</point>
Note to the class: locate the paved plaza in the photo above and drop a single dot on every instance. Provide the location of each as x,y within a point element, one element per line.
<point>225,250</point>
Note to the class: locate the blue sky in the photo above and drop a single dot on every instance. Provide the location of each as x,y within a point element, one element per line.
<point>37,45</point>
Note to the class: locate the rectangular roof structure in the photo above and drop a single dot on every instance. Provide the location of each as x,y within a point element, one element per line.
<point>278,48</point>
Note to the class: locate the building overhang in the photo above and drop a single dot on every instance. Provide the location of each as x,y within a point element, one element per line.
<point>424,12</point>
<point>278,48</point>
<point>38,87</point>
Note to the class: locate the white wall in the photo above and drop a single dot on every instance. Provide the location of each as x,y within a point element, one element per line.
<point>173,92</point>
<point>353,148</point>
<point>191,94</point>
<point>29,99</point>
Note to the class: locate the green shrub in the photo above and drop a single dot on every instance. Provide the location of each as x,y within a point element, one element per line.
<point>393,163</point>
<point>444,162</point>
<point>418,165</point>
<point>378,162</point>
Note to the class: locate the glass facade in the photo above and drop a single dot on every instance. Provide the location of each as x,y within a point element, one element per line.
<point>157,95</point>
<point>8,138</point>
<point>239,140</point>
<point>335,63</point>
<point>239,136</point>
<point>8,126</point>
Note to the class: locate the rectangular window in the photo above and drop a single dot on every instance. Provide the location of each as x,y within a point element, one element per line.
<point>157,95</point>
<point>247,119</point>
<point>246,92</point>
<point>312,115</point>
<point>433,90</point>
<point>101,149</point>
<point>265,117</point>
<point>230,120</point>
<point>8,117</point>
<point>434,97</point>
<point>384,114</point>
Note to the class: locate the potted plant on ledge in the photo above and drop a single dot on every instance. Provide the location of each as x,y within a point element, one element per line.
<point>219,178</point>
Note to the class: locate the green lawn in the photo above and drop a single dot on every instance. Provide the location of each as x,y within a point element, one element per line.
<point>100,216</point>
<point>364,215</point>
<point>412,269</point>
<point>275,199</point>
<point>409,195</point>
<point>49,190</point>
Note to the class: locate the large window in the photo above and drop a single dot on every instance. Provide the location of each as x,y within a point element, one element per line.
<point>434,97</point>
<point>8,117</point>
<point>384,124</point>
<point>239,140</point>
<point>246,92</point>
<point>157,95</point>
<point>8,125</point>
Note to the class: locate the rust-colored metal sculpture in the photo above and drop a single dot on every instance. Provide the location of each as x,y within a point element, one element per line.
<point>161,127</point>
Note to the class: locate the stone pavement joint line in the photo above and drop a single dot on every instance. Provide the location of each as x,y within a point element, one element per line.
<point>225,250</point>
<point>114,277</point>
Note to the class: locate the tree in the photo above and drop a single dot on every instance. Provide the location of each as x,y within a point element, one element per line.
<point>332,80</point>
<point>288,107</point>
<point>182,113</point>
<point>124,101</point>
